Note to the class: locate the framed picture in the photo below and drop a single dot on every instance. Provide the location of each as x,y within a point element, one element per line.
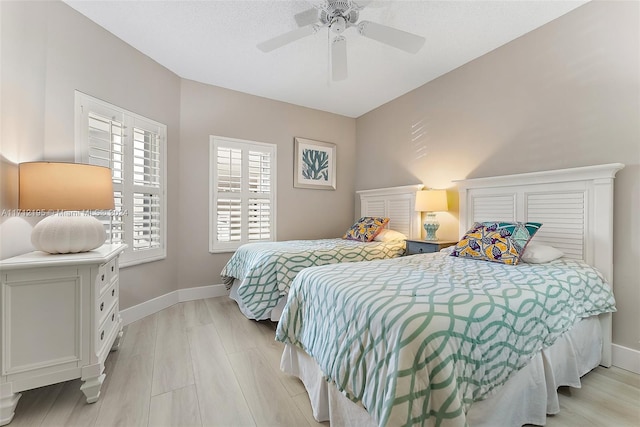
<point>314,164</point>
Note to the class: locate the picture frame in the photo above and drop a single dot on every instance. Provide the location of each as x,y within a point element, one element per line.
<point>314,164</point>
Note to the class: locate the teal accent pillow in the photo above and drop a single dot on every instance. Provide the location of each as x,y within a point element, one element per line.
<point>519,232</point>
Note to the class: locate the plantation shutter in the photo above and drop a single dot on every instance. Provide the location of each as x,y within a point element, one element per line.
<point>243,194</point>
<point>106,148</point>
<point>133,147</point>
<point>147,189</point>
<point>228,204</point>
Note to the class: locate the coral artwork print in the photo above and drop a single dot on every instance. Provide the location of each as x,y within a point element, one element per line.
<point>315,165</point>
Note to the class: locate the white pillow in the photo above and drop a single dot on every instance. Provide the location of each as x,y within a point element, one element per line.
<point>536,253</point>
<point>389,235</point>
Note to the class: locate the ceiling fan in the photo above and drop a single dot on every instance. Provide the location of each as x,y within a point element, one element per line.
<point>339,15</point>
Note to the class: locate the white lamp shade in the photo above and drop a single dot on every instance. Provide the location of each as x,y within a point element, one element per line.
<point>432,201</point>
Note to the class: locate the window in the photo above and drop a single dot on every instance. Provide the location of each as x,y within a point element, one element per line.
<point>242,206</point>
<point>134,148</point>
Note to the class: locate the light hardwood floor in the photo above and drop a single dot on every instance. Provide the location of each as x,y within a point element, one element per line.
<point>202,363</point>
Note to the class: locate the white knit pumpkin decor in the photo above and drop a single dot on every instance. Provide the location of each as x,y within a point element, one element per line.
<point>68,232</point>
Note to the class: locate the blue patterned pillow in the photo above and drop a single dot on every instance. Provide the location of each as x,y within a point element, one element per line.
<point>502,242</point>
<point>366,228</point>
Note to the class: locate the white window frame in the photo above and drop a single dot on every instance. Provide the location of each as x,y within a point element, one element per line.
<point>216,246</point>
<point>84,104</point>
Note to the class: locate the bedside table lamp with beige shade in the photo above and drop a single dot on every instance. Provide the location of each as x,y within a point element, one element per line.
<point>70,189</point>
<point>431,201</point>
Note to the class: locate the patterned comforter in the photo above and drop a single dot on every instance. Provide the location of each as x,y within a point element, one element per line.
<point>418,339</point>
<point>267,269</point>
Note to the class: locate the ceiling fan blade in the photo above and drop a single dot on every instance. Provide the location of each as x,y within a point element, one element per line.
<point>339,58</point>
<point>309,16</point>
<point>286,38</point>
<point>392,36</point>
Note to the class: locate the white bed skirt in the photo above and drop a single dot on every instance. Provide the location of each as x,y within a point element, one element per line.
<point>526,398</point>
<point>273,315</point>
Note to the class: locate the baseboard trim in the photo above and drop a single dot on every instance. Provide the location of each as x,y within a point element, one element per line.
<point>147,308</point>
<point>625,358</point>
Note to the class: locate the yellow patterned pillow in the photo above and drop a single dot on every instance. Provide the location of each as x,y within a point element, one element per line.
<point>497,242</point>
<point>366,228</point>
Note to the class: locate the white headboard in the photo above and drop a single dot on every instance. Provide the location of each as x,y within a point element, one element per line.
<point>575,207</point>
<point>396,203</point>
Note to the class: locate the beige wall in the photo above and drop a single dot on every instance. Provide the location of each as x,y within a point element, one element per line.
<point>302,213</point>
<point>48,52</point>
<point>565,95</point>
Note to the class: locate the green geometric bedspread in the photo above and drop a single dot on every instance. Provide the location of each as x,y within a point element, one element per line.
<point>266,269</point>
<point>418,339</point>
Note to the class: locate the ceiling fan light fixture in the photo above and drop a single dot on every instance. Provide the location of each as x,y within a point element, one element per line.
<point>338,25</point>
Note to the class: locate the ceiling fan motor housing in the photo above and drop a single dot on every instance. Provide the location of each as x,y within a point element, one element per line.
<point>338,15</point>
<point>339,5</point>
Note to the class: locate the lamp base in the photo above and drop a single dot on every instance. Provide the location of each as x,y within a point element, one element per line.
<point>431,225</point>
<point>68,232</point>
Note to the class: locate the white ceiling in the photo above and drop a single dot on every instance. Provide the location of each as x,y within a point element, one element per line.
<point>215,41</point>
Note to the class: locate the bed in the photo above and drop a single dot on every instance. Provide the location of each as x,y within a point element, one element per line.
<point>439,340</point>
<point>258,275</point>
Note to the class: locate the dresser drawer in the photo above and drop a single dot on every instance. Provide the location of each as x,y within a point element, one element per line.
<point>107,273</point>
<point>106,330</point>
<point>106,301</point>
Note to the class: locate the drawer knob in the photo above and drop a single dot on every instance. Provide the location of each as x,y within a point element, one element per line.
<point>113,316</point>
<point>113,292</point>
<point>101,335</point>
<point>421,250</point>
<point>101,306</point>
<point>102,278</point>
<point>112,268</point>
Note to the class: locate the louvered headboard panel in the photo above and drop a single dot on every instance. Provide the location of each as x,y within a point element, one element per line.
<point>395,203</point>
<point>494,208</point>
<point>575,207</point>
<point>564,220</point>
<point>562,214</point>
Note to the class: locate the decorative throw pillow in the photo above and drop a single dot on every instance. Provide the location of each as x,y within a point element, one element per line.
<point>536,253</point>
<point>502,242</point>
<point>386,235</point>
<point>366,228</point>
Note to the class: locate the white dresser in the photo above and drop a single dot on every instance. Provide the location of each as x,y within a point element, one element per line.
<point>59,318</point>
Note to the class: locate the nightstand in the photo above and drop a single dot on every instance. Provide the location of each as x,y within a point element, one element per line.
<point>60,319</point>
<point>427,246</point>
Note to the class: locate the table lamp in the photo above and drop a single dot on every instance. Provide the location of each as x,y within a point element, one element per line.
<point>431,201</point>
<point>68,189</point>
